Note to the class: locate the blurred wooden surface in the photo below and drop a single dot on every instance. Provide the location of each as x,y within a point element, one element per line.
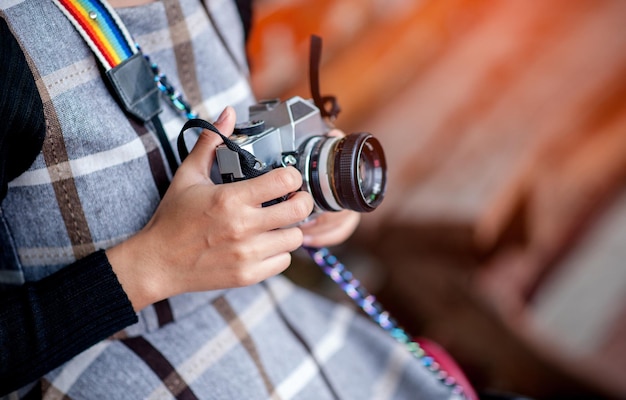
<point>504,126</point>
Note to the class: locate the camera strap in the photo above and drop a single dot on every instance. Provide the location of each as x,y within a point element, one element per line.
<point>338,273</point>
<point>328,105</point>
<point>129,72</point>
<point>248,162</point>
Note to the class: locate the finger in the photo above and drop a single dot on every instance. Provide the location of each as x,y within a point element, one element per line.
<point>202,156</point>
<point>288,212</point>
<point>267,268</point>
<point>324,222</point>
<point>331,232</point>
<point>247,275</point>
<point>272,185</point>
<point>276,264</point>
<point>271,250</point>
<point>255,220</point>
<point>336,133</point>
<point>279,241</point>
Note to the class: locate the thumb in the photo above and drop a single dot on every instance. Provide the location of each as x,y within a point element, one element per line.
<point>202,155</point>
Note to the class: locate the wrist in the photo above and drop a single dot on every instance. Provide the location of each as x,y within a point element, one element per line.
<point>137,273</point>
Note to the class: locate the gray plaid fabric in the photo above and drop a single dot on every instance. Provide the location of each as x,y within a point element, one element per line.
<point>99,178</point>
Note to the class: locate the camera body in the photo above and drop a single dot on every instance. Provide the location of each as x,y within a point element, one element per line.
<point>275,131</point>
<point>340,172</point>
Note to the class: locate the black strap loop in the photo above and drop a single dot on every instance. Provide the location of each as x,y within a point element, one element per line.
<point>328,105</point>
<point>246,159</point>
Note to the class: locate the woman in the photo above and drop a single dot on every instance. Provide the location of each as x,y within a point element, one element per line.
<point>127,280</point>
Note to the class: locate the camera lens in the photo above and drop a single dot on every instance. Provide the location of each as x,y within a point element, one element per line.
<point>345,172</point>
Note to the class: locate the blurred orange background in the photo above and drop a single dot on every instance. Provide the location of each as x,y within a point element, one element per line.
<point>503,231</point>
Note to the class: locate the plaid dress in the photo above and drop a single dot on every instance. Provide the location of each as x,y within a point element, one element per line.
<point>97,181</point>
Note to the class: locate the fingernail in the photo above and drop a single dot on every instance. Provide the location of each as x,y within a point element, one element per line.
<point>306,240</point>
<point>223,115</point>
<point>308,223</point>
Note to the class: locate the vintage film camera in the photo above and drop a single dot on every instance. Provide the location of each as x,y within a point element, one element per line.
<point>339,172</point>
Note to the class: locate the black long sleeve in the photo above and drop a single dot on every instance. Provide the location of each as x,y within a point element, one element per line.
<point>45,323</point>
<point>22,124</point>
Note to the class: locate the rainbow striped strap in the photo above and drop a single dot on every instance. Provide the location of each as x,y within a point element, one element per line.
<point>101,28</point>
<point>128,71</point>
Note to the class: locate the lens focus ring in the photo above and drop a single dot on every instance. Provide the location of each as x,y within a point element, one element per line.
<point>359,172</point>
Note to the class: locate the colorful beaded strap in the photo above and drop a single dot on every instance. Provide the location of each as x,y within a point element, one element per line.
<point>367,302</point>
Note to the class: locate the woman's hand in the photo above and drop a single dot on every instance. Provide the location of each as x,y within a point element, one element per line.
<point>205,236</point>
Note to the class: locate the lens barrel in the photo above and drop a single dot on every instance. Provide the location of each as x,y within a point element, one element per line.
<point>347,172</point>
